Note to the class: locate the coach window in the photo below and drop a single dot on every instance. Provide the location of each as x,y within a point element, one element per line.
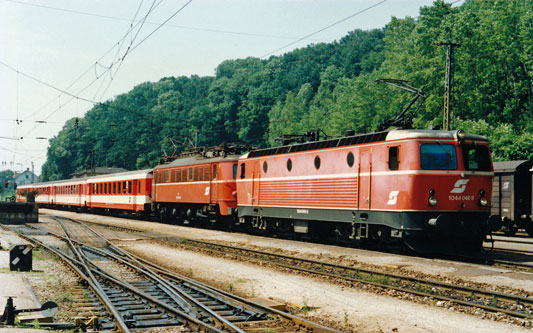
<point>350,159</point>
<point>184,175</point>
<point>139,187</point>
<point>393,158</point>
<point>114,188</point>
<point>265,167</point>
<point>243,169</point>
<point>124,187</point>
<point>289,164</point>
<point>167,178</point>
<point>129,187</point>
<point>105,188</point>
<point>317,162</point>
<point>190,174</point>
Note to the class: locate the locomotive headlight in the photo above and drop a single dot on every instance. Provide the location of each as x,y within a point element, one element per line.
<point>432,201</point>
<point>483,201</point>
<point>461,134</point>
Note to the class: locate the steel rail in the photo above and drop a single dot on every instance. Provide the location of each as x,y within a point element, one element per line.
<point>66,259</point>
<point>184,299</point>
<point>376,275</point>
<point>284,315</point>
<point>223,322</point>
<point>314,327</point>
<point>196,324</point>
<point>450,287</point>
<point>107,302</point>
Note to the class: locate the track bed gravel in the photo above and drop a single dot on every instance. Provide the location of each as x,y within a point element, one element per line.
<point>352,310</point>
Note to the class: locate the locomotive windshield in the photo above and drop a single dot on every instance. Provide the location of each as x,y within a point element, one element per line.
<point>435,156</point>
<point>476,158</point>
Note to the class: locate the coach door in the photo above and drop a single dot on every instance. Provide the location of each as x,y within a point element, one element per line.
<point>365,178</point>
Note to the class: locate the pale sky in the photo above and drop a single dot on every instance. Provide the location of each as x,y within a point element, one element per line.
<point>62,42</point>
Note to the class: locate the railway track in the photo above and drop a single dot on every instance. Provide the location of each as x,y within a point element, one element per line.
<point>517,306</point>
<point>156,297</point>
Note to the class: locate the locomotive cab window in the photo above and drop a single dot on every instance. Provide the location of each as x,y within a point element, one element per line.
<point>393,158</point>
<point>235,168</point>
<point>476,158</point>
<point>436,156</point>
<point>243,168</point>
<point>214,172</point>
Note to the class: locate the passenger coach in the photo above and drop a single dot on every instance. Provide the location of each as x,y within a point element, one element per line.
<point>413,187</point>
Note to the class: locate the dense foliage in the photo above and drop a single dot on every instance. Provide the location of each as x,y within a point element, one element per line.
<point>330,86</point>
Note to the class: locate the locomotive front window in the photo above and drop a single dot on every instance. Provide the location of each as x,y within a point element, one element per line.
<point>476,158</point>
<point>434,156</point>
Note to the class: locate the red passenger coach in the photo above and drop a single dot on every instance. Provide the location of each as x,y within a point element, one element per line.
<point>196,188</point>
<point>412,187</point>
<point>125,191</point>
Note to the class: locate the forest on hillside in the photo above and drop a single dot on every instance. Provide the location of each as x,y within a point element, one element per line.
<point>327,86</point>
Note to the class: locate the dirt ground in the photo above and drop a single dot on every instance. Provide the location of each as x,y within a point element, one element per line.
<point>350,309</point>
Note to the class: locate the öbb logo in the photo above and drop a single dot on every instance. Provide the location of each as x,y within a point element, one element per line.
<point>460,186</point>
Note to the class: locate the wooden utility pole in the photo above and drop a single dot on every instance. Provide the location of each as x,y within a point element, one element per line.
<point>448,82</point>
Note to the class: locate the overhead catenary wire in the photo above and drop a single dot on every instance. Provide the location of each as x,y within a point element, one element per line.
<point>210,30</point>
<point>322,29</point>
<point>109,105</point>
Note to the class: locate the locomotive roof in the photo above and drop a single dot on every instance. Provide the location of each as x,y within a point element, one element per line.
<point>84,179</point>
<point>361,139</point>
<point>512,166</point>
<point>199,159</point>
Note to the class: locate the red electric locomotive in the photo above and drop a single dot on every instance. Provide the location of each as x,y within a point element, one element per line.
<point>413,187</point>
<point>197,188</point>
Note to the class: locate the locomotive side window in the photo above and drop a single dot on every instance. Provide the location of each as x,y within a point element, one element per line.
<point>166,177</point>
<point>393,158</point>
<point>178,176</point>
<point>214,172</point>
<point>350,159</point>
<point>235,171</point>
<point>289,164</point>
<point>317,162</point>
<point>243,166</point>
<point>476,158</point>
<point>190,173</point>
<point>435,156</point>
<point>265,167</point>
